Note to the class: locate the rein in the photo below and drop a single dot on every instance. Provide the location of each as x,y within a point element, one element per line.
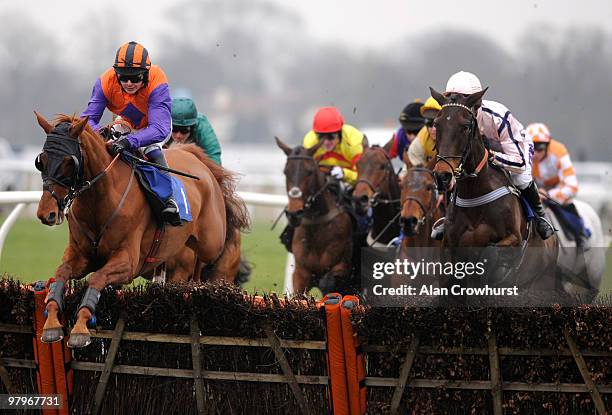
<point>296,193</point>
<point>376,198</point>
<point>460,172</point>
<point>77,184</point>
<point>434,201</point>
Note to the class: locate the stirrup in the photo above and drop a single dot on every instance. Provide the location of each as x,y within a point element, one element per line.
<point>170,214</point>
<point>437,229</point>
<point>544,227</point>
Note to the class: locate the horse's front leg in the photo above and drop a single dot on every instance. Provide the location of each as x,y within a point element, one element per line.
<point>74,266</point>
<point>118,270</point>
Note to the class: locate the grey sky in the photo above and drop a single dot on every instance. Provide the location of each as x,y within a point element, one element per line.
<point>358,24</point>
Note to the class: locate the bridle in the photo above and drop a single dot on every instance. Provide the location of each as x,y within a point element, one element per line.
<point>76,184</point>
<point>459,173</point>
<point>433,202</point>
<point>297,193</point>
<point>376,198</point>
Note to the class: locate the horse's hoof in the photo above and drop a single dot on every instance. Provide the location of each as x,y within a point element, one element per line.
<point>79,340</point>
<point>52,335</point>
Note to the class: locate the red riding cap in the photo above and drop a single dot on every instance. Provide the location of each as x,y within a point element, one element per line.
<point>327,120</point>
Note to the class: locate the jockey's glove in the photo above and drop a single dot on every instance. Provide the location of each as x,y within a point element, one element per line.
<point>118,146</point>
<point>491,157</point>
<point>337,172</point>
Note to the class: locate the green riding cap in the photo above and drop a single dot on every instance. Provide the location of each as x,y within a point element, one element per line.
<point>184,112</point>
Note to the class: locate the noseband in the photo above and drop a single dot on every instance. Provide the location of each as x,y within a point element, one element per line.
<point>459,173</point>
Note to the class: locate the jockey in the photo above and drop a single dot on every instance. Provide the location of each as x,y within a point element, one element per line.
<point>412,121</point>
<point>555,174</point>
<point>342,147</point>
<point>190,126</point>
<point>138,92</point>
<point>342,144</point>
<point>503,130</point>
<point>423,149</point>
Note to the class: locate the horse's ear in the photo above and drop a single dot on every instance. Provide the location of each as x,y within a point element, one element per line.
<point>286,149</point>
<point>475,98</point>
<point>387,147</point>
<point>438,96</point>
<point>76,130</point>
<point>314,148</point>
<point>44,124</point>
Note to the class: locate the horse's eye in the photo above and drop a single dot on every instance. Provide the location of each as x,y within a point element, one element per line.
<point>381,167</point>
<point>309,173</point>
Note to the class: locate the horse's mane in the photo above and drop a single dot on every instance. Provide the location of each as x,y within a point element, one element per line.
<point>235,208</point>
<point>60,118</point>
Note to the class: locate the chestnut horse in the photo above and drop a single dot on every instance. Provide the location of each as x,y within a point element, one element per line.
<point>185,266</point>
<point>484,210</point>
<point>322,243</point>
<point>378,188</point>
<point>113,232</point>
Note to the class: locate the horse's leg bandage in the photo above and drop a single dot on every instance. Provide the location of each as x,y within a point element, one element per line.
<point>56,293</point>
<point>90,299</point>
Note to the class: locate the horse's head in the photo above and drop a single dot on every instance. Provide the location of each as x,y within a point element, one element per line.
<point>303,179</point>
<point>419,196</point>
<point>375,177</point>
<point>61,166</point>
<point>457,136</point>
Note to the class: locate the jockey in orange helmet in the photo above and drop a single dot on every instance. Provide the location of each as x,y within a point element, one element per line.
<point>554,172</point>
<point>139,93</point>
<point>342,144</point>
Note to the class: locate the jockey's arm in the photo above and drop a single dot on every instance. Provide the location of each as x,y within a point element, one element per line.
<point>567,188</point>
<point>416,153</point>
<point>207,139</point>
<point>160,119</point>
<point>96,106</point>
<point>515,154</point>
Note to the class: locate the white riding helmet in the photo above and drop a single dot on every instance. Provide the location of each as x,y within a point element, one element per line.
<point>463,83</point>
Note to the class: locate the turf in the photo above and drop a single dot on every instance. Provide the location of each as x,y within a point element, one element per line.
<point>33,252</point>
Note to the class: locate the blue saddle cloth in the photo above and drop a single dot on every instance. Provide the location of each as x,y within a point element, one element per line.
<point>527,209</point>
<point>162,186</point>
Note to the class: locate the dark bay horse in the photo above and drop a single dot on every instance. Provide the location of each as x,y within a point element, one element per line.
<point>113,233</point>
<point>484,210</point>
<point>322,243</point>
<point>378,188</point>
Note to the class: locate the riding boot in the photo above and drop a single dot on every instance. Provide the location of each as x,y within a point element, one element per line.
<point>582,239</point>
<point>531,194</point>
<point>170,213</point>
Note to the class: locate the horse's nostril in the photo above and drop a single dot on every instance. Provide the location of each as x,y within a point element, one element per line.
<point>51,217</point>
<point>363,199</point>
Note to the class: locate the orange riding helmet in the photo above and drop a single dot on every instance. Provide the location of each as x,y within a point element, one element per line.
<point>327,120</point>
<point>132,57</point>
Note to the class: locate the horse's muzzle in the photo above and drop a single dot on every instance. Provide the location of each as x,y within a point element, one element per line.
<point>409,225</point>
<point>361,204</point>
<point>294,218</point>
<point>444,180</point>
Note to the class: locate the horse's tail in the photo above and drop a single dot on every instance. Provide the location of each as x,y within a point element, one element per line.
<point>235,209</point>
